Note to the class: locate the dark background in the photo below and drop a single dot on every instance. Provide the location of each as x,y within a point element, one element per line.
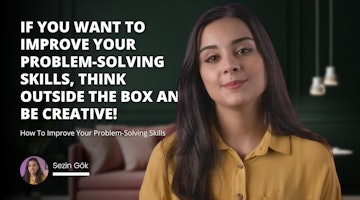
<point>290,24</point>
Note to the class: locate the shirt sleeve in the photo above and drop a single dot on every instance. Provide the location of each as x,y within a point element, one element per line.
<point>156,185</point>
<point>328,183</point>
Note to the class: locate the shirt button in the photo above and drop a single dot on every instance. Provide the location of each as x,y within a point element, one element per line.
<point>239,196</point>
<point>240,166</point>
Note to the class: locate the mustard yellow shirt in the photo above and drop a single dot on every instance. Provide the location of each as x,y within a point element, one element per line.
<point>279,168</point>
<point>32,181</point>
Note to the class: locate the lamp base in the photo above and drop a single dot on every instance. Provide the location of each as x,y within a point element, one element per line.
<point>317,87</point>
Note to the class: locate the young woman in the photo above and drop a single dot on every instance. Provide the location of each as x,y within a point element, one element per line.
<point>33,173</point>
<point>238,136</point>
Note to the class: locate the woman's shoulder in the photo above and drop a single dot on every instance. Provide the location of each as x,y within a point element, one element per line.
<point>43,177</point>
<point>310,149</point>
<point>164,146</point>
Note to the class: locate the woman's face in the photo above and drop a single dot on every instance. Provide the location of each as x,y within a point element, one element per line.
<point>33,167</point>
<point>231,68</point>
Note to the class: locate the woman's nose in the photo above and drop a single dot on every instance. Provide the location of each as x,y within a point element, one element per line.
<point>231,64</point>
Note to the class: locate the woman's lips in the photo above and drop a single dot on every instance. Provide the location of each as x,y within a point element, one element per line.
<point>234,84</point>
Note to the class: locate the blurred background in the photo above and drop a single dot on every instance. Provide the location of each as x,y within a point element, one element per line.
<point>291,24</point>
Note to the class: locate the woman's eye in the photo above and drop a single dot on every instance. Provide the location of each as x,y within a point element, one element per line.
<point>211,59</point>
<point>244,51</point>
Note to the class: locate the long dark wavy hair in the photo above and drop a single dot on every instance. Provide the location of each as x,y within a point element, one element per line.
<point>194,150</point>
<point>39,173</point>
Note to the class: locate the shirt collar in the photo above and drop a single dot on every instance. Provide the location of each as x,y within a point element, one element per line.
<point>279,144</point>
<point>220,142</point>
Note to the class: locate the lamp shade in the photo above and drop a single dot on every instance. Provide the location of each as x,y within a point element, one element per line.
<point>317,87</point>
<point>330,78</point>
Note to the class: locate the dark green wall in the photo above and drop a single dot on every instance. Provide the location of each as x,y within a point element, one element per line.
<point>337,114</point>
<point>290,24</point>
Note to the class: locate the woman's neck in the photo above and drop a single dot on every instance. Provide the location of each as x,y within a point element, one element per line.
<point>242,128</point>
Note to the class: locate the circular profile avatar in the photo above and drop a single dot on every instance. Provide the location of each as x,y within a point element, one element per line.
<point>34,170</point>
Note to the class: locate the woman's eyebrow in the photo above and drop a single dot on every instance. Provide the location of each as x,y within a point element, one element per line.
<point>236,41</point>
<point>207,47</point>
<point>241,39</point>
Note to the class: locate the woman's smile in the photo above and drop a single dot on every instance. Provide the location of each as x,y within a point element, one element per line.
<point>232,85</point>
